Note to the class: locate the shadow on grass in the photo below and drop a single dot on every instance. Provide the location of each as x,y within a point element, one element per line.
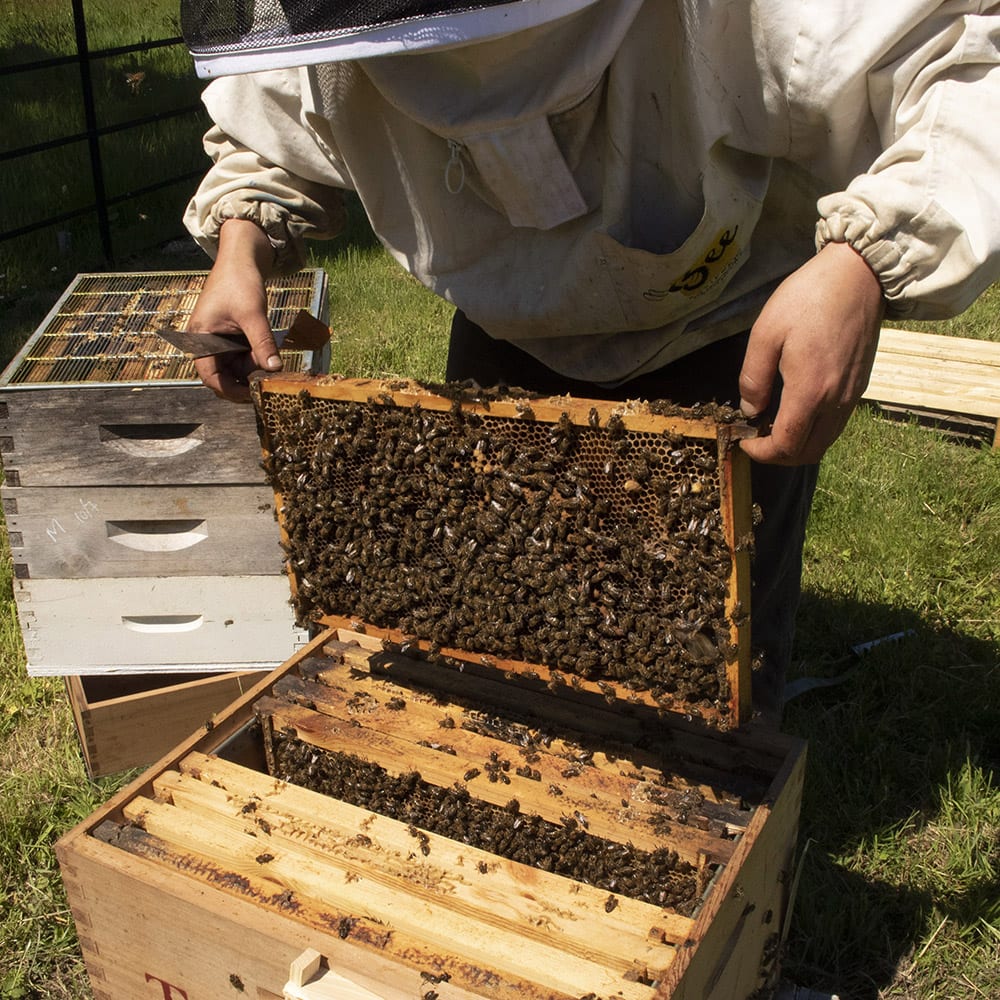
<point>890,754</point>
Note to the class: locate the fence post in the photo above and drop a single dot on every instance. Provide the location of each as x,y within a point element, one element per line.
<point>90,120</point>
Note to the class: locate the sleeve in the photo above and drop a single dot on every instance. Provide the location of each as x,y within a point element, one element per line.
<point>926,214</point>
<point>268,166</point>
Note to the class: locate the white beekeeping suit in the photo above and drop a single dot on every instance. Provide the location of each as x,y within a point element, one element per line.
<point>618,191</point>
<point>611,185</point>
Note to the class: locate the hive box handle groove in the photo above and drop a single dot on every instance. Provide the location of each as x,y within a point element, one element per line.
<point>157,535</point>
<point>162,624</point>
<point>151,440</point>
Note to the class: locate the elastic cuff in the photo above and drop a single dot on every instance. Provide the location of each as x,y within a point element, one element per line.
<point>289,253</point>
<point>864,234</point>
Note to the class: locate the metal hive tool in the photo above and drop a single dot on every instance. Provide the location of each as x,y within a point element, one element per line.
<point>599,544</point>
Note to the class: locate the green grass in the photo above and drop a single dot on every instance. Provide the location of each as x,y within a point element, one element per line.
<point>382,321</point>
<point>899,896</point>
<point>44,790</point>
<point>981,322</point>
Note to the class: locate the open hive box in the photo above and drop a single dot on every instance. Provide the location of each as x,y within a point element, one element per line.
<point>511,763</point>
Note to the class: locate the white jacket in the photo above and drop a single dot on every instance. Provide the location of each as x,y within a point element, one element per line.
<point>627,184</point>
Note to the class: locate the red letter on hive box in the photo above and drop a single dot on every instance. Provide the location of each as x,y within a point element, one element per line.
<point>169,992</point>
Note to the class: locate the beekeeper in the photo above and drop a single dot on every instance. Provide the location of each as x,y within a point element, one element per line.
<point>634,198</point>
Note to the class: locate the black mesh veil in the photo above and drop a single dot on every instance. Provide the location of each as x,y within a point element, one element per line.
<point>227,36</point>
<point>223,24</point>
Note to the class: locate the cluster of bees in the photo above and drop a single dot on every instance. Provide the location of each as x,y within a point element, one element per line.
<point>591,549</point>
<point>565,848</point>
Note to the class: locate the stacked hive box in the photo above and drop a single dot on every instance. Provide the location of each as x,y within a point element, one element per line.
<point>141,529</point>
<point>411,806</point>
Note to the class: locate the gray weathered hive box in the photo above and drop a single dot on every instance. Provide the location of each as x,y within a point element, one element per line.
<point>141,528</point>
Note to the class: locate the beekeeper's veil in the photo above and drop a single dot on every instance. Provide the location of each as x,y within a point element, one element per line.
<point>242,36</point>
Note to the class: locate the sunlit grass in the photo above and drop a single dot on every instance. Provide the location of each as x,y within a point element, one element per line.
<point>44,105</point>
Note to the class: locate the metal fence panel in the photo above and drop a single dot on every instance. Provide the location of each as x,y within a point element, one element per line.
<point>92,133</point>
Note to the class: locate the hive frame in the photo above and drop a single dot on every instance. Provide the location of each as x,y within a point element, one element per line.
<point>716,436</point>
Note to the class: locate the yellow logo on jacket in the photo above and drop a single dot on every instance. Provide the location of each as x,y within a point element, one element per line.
<point>715,264</point>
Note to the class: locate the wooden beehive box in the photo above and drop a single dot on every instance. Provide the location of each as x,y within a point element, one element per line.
<point>131,720</point>
<point>414,796</point>
<point>141,529</point>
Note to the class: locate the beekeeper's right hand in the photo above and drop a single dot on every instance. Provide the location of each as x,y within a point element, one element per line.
<point>234,301</point>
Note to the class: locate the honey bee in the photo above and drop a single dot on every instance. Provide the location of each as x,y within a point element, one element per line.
<point>435,978</point>
<point>608,691</point>
<point>134,81</point>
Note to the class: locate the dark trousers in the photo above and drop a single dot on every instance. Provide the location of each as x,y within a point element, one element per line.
<point>784,494</point>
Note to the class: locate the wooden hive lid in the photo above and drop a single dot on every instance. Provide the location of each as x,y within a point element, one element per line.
<point>593,544</point>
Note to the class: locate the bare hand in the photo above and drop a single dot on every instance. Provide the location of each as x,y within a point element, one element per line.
<point>819,330</point>
<point>233,301</point>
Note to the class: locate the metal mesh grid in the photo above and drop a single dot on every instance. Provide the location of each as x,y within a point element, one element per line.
<point>103,330</point>
<point>224,26</point>
<point>586,547</point>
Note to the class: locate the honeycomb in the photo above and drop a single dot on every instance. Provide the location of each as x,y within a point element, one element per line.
<point>593,543</point>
